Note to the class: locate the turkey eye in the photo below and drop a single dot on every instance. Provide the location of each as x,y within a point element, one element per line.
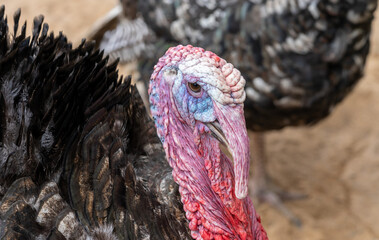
<point>194,87</point>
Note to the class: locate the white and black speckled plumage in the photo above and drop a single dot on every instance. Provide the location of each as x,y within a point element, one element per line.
<point>299,57</point>
<point>79,156</point>
<point>123,34</point>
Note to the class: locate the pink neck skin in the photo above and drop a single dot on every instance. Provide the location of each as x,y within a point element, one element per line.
<point>206,179</point>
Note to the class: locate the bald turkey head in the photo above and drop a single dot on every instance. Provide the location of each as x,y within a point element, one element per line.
<point>197,103</point>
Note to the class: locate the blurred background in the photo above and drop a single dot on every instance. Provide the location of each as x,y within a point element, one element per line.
<point>336,162</point>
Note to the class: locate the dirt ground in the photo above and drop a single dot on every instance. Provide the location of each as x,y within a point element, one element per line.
<point>336,162</point>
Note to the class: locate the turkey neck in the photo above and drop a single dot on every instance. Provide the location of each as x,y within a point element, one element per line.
<point>206,179</point>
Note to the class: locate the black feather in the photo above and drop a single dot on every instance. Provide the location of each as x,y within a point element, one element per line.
<point>79,155</point>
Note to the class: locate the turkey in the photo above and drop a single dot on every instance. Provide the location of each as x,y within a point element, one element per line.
<point>299,58</point>
<point>80,157</point>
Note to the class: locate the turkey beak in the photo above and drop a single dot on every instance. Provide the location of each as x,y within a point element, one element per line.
<point>230,129</point>
<point>217,133</point>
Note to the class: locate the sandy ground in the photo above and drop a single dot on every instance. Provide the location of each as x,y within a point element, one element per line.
<point>336,162</point>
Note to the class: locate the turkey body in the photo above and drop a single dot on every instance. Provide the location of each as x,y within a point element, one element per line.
<point>79,157</point>
<point>299,58</point>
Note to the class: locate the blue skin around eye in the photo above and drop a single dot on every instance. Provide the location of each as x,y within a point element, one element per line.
<point>189,107</point>
<point>201,108</point>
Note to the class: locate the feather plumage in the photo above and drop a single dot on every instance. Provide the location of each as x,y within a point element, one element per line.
<point>299,58</point>
<point>79,155</point>
<point>123,34</point>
